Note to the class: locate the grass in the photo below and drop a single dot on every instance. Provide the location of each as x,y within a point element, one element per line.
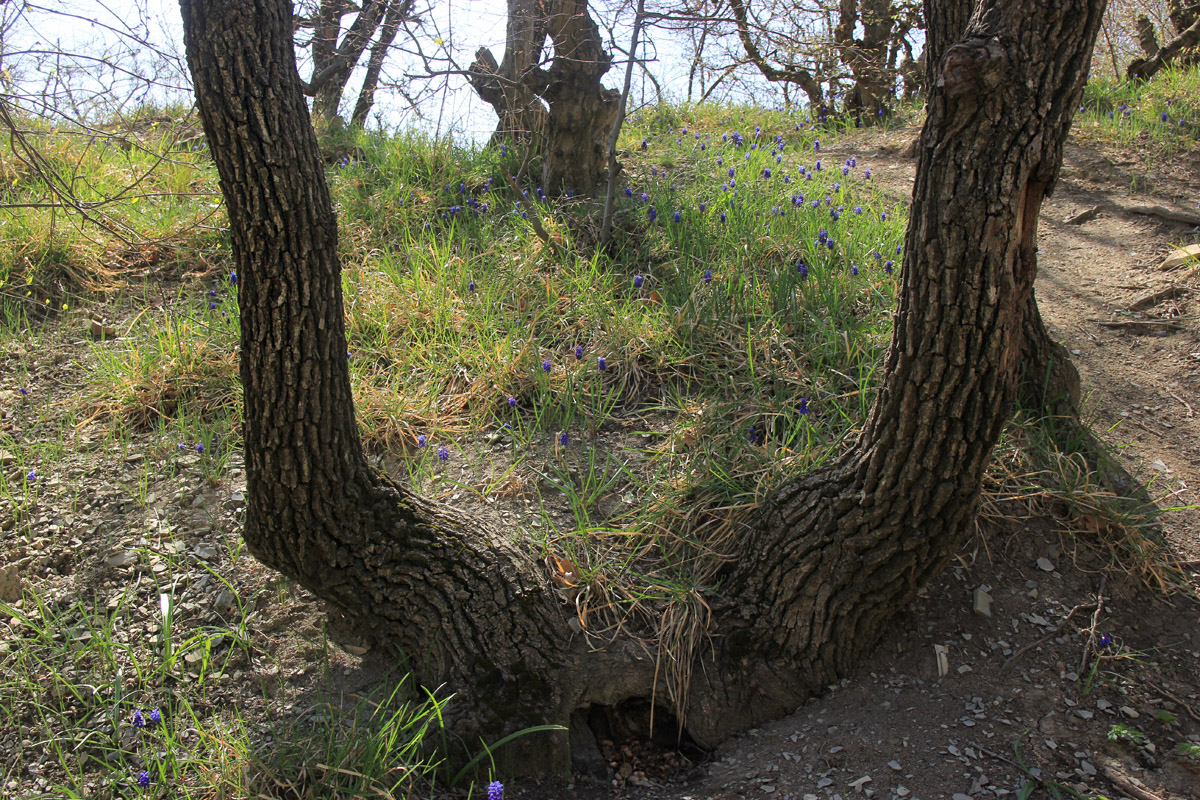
<point>1152,121</point>
<point>627,409</point>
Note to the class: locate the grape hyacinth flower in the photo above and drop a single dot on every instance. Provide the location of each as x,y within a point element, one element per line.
<point>803,408</point>
<point>143,779</point>
<point>512,403</point>
<point>708,276</point>
<point>24,392</point>
<point>817,146</point>
<point>443,453</point>
<point>139,721</point>
<point>853,270</point>
<point>563,439</point>
<point>200,448</point>
<point>677,217</point>
<point>32,476</point>
<point>495,791</point>
<point>1105,641</point>
<point>578,352</point>
<point>645,197</point>
<point>155,717</point>
<point>722,216</point>
<point>753,436</point>
<point>888,267</point>
<point>421,441</point>
<point>637,281</point>
<point>546,365</point>
<point>652,214</point>
<point>803,270</point>
<point>471,286</point>
<point>602,364</point>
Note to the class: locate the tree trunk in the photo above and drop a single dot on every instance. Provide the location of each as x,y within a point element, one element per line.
<point>334,61</point>
<point>582,111</point>
<point>397,12</point>
<point>510,87</point>
<point>839,551</point>
<point>867,57</point>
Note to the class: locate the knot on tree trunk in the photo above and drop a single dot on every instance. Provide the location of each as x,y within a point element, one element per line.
<point>973,67</point>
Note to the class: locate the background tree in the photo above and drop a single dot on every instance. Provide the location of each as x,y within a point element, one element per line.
<point>839,550</point>
<point>578,111</point>
<point>336,52</point>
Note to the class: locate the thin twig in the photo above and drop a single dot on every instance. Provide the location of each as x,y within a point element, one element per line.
<point>1045,638</point>
<point>1091,640</point>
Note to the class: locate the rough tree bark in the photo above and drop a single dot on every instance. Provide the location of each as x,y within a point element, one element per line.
<point>839,551</point>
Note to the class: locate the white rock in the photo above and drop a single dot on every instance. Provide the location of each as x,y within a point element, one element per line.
<point>894,765</point>
<point>1045,564</point>
<point>860,783</point>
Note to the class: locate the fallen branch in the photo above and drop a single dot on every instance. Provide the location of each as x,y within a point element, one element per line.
<point>1151,299</point>
<point>1151,327</point>
<point>1165,213</point>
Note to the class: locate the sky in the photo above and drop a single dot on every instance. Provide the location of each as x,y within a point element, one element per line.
<point>148,36</point>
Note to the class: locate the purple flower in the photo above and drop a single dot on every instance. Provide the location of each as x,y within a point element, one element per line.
<point>652,214</point>
<point>883,216</point>
<point>1105,641</point>
<point>512,403</point>
<point>471,286</point>
<point>212,305</point>
<point>703,207</point>
<point>443,453</point>
<point>563,439</point>
<point>708,276</point>
<point>637,281</point>
<point>858,210</point>
<point>899,249</point>
<point>767,173</point>
<point>200,448</point>
<point>139,722</point>
<point>817,147</point>
<point>1164,116</point>
<point>802,269</point>
<point>421,441</point>
<point>722,216</point>
<point>602,364</point>
<point>853,270</point>
<point>155,717</point>
<point>495,791</point>
<point>24,392</point>
<point>628,192</point>
<point>645,145</point>
<point>817,166</point>
<point>546,365</point>
<point>143,778</point>
<point>677,217</point>
<point>888,267</point>
<point>867,173</point>
<point>753,436</point>
<point>803,408</point>
<point>578,352</point>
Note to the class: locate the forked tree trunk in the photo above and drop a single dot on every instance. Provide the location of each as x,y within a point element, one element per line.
<point>867,57</point>
<point>839,551</point>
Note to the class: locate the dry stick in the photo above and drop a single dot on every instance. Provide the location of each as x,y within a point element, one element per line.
<point>1091,640</point>
<point>1045,638</point>
<point>532,215</point>
<point>1128,787</point>
<point>611,191</point>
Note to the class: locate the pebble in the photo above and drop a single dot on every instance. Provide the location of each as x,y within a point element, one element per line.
<point>821,784</point>
<point>894,765</point>
<point>1045,564</point>
<point>860,783</point>
<point>121,559</point>
<point>1129,712</point>
<point>961,796</point>
<point>1087,768</point>
<point>901,791</point>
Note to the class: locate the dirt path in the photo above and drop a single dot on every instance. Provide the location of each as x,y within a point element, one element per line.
<point>1018,698</point>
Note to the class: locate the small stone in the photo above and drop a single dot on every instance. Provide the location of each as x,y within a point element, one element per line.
<point>11,584</point>
<point>206,551</point>
<point>122,559</point>
<point>1045,564</point>
<point>894,765</point>
<point>837,749</point>
<point>1084,713</point>
<point>1087,768</point>
<point>1129,712</point>
<point>199,501</point>
<point>1181,256</point>
<point>768,788</point>
<point>858,785</point>
<point>356,650</point>
<point>901,791</point>
<point>982,602</point>
<point>961,796</point>
<point>225,599</point>
<point>821,784</point>
<point>1103,704</point>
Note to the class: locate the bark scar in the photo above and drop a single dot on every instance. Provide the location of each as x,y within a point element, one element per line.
<point>973,66</point>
